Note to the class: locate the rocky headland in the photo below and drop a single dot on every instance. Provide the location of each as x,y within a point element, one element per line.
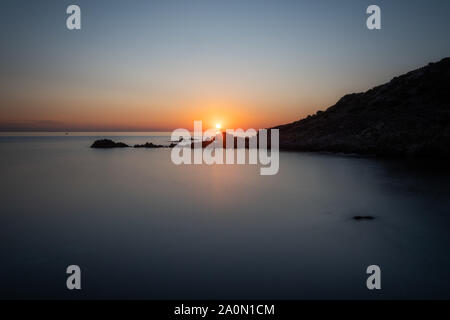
<point>408,116</point>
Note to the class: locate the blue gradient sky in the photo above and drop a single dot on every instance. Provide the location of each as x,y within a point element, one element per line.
<point>159,65</point>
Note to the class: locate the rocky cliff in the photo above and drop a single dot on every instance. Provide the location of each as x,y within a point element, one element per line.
<point>409,116</point>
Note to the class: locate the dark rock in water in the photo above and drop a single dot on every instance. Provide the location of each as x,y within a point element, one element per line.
<point>152,145</point>
<point>363,218</point>
<point>237,141</point>
<point>148,145</point>
<point>107,143</point>
<point>203,144</point>
<point>409,116</point>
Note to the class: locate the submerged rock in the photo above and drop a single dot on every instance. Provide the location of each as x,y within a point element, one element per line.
<point>107,143</point>
<point>363,218</point>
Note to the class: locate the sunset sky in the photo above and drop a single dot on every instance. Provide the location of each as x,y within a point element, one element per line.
<point>160,65</point>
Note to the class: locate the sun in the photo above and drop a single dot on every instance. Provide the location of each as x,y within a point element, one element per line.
<point>218,126</point>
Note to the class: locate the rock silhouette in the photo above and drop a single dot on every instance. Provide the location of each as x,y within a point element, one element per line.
<point>409,116</point>
<point>107,143</point>
<point>152,145</point>
<point>238,142</point>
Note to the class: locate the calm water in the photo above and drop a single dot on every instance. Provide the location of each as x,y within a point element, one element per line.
<point>141,227</point>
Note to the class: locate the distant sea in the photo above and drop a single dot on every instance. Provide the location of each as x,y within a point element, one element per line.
<point>141,227</point>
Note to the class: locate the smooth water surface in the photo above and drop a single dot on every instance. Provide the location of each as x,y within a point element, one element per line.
<point>141,227</point>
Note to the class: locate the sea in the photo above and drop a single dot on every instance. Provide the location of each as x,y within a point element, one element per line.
<point>141,227</point>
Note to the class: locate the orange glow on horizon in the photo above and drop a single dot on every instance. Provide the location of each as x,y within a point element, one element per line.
<point>140,113</point>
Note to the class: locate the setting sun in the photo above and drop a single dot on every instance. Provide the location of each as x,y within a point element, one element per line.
<point>218,125</point>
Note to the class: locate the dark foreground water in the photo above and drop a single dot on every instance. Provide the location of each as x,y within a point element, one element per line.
<point>141,227</point>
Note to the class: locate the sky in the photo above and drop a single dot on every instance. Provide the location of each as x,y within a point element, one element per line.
<point>160,65</point>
